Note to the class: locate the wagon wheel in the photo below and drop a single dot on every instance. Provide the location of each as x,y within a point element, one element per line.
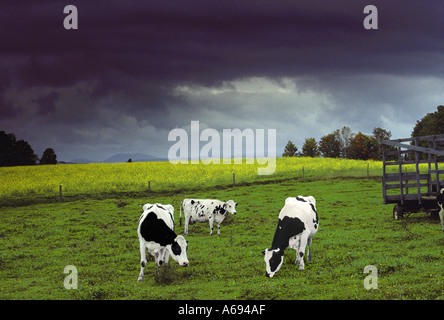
<point>398,212</point>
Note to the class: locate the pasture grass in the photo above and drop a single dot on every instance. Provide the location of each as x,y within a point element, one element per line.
<point>99,237</point>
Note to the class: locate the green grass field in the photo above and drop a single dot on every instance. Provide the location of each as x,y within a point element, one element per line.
<point>98,236</point>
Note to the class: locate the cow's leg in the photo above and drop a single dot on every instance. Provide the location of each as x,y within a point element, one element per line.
<point>441,217</point>
<point>294,244</point>
<point>309,258</point>
<point>187,222</point>
<point>160,257</point>
<point>165,255</point>
<point>157,258</point>
<point>211,221</point>
<point>218,229</point>
<point>301,251</point>
<point>142,260</point>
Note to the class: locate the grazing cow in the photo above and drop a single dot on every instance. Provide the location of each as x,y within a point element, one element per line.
<point>156,233</point>
<point>298,223</point>
<point>198,210</point>
<point>440,200</point>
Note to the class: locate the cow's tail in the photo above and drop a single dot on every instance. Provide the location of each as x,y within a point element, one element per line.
<point>180,214</point>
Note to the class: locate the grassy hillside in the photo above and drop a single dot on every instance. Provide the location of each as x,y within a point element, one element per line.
<point>99,237</point>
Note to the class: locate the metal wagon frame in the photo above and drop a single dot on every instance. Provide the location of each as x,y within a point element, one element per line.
<point>415,190</point>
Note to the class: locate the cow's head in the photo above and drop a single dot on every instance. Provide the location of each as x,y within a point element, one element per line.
<point>178,250</point>
<point>230,206</point>
<point>273,261</point>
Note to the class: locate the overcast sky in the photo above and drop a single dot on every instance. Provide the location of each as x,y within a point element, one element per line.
<point>135,70</point>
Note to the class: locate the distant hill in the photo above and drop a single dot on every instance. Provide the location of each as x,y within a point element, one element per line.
<point>135,157</point>
<point>121,157</point>
<point>81,160</point>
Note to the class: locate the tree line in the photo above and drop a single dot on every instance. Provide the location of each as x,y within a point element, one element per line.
<point>343,143</point>
<point>15,152</point>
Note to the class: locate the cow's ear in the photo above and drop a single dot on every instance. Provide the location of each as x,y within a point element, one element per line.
<point>263,252</point>
<point>236,204</point>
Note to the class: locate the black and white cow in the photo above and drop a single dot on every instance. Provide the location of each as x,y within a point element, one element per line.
<point>440,200</point>
<point>298,223</point>
<point>203,210</point>
<point>156,234</point>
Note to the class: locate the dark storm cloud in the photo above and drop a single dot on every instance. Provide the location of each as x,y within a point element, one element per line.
<point>206,41</point>
<point>141,62</point>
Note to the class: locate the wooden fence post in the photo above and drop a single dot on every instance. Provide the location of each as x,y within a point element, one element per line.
<point>234,179</point>
<point>368,168</point>
<point>303,173</point>
<point>60,193</point>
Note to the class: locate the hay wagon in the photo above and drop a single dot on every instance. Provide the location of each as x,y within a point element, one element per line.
<point>413,173</point>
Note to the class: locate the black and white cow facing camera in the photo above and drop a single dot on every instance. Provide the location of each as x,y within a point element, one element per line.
<point>156,234</point>
<point>297,224</point>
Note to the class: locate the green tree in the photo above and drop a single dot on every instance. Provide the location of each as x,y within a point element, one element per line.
<point>330,146</point>
<point>381,134</point>
<point>49,157</point>
<point>24,154</point>
<point>7,149</point>
<point>430,124</point>
<point>310,148</point>
<point>344,136</point>
<point>15,153</point>
<point>290,150</point>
